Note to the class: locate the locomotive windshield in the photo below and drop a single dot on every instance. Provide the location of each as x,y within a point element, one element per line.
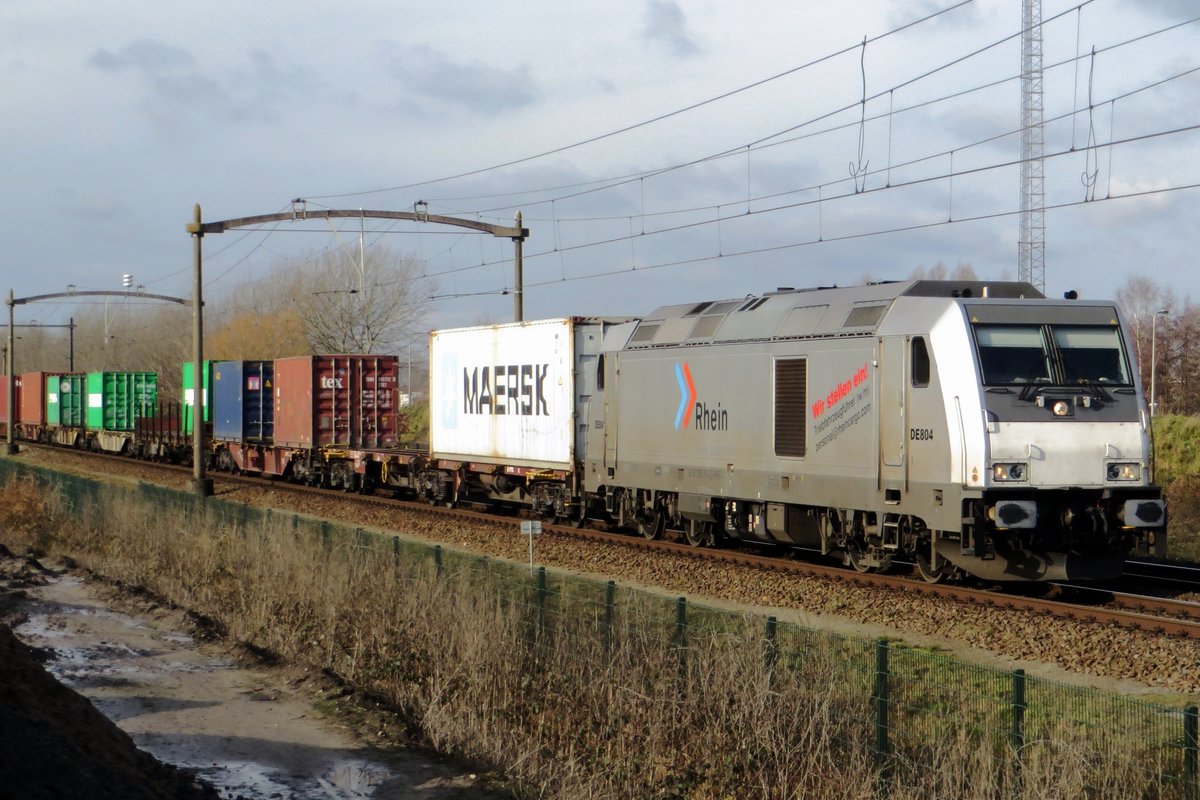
<point>1061,355</point>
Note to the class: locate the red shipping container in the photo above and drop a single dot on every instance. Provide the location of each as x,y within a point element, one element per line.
<point>16,389</point>
<point>341,400</point>
<point>32,409</point>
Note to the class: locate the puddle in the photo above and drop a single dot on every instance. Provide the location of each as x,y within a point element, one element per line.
<point>189,705</point>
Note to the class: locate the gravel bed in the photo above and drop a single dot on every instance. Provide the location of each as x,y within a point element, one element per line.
<point>1065,650</point>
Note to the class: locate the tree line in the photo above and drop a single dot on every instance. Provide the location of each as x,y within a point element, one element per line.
<point>1166,343</point>
<point>335,302</point>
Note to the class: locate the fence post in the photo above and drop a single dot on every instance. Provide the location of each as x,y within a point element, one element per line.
<point>325,534</point>
<point>610,590</point>
<point>437,560</point>
<point>770,647</point>
<point>681,636</point>
<point>1016,736</point>
<point>1191,752</point>
<point>541,600</point>
<point>882,749</point>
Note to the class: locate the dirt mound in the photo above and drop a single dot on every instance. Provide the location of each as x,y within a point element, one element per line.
<point>57,745</point>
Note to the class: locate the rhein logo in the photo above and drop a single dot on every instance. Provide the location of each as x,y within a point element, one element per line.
<point>692,410</point>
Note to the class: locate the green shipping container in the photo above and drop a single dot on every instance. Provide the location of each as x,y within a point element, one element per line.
<point>189,393</point>
<point>115,399</point>
<point>65,400</point>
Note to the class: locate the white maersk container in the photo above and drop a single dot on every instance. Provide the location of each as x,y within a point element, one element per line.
<point>515,393</point>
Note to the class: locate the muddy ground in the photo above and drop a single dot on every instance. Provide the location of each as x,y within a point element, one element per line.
<point>103,695</point>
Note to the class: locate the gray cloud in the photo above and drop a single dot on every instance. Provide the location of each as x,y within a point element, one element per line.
<point>473,85</point>
<point>250,89</point>
<point>1168,8</point>
<point>666,24</point>
<point>958,19</point>
<point>143,55</point>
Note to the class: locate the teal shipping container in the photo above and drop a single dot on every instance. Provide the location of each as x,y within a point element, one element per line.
<point>66,400</point>
<point>189,393</point>
<point>116,399</point>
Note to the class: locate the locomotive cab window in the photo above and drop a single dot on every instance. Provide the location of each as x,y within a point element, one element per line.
<point>1091,355</point>
<point>920,362</point>
<point>1012,354</point>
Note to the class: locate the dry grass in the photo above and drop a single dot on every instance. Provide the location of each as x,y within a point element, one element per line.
<point>471,666</point>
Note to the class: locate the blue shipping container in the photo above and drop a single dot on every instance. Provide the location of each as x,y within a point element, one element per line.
<point>243,395</point>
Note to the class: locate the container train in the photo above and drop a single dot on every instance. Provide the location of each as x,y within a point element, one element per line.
<point>975,429</point>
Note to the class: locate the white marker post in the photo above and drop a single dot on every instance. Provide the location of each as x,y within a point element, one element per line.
<point>531,528</point>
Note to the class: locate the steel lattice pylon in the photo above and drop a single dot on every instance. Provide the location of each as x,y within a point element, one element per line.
<point>1031,248</point>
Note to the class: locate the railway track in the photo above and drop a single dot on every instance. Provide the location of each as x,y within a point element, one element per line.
<point>1103,606</point>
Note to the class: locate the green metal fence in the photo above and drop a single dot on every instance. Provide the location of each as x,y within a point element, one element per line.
<point>917,700</point>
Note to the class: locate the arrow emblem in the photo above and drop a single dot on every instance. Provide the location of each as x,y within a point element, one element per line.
<point>687,394</point>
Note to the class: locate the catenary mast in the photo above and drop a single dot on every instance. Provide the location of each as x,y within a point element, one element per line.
<point>1031,248</point>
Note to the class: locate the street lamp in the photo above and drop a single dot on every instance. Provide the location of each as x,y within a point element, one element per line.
<point>1162,312</point>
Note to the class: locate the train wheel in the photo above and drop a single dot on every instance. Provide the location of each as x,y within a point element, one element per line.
<point>651,524</point>
<point>926,570</point>
<point>699,533</point>
<point>855,558</point>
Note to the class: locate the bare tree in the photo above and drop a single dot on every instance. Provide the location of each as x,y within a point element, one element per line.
<point>1183,372</point>
<point>940,272</point>
<point>963,272</point>
<point>367,306</point>
<point>1141,298</point>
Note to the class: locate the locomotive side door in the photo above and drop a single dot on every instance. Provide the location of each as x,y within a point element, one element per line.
<point>612,368</point>
<point>892,411</point>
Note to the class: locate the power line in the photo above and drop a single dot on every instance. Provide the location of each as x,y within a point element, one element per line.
<point>886,231</point>
<point>765,142</point>
<point>867,234</point>
<point>821,187</point>
<point>660,117</point>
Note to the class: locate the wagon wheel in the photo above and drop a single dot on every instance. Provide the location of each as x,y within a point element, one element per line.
<point>855,557</point>
<point>699,533</point>
<point>925,566</point>
<point>651,524</point>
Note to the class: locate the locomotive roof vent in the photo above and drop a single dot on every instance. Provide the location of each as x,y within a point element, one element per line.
<point>1011,290</point>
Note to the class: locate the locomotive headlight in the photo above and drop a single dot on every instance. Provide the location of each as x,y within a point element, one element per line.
<point>1124,471</point>
<point>1008,472</point>
<point>1061,408</point>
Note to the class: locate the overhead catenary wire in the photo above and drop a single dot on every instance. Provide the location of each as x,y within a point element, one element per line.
<point>823,238</point>
<point>822,198</point>
<point>767,142</point>
<point>659,118</point>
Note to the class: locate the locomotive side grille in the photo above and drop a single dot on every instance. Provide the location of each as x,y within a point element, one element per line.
<point>791,388</point>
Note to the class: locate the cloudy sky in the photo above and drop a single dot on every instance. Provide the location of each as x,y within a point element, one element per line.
<point>661,151</point>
